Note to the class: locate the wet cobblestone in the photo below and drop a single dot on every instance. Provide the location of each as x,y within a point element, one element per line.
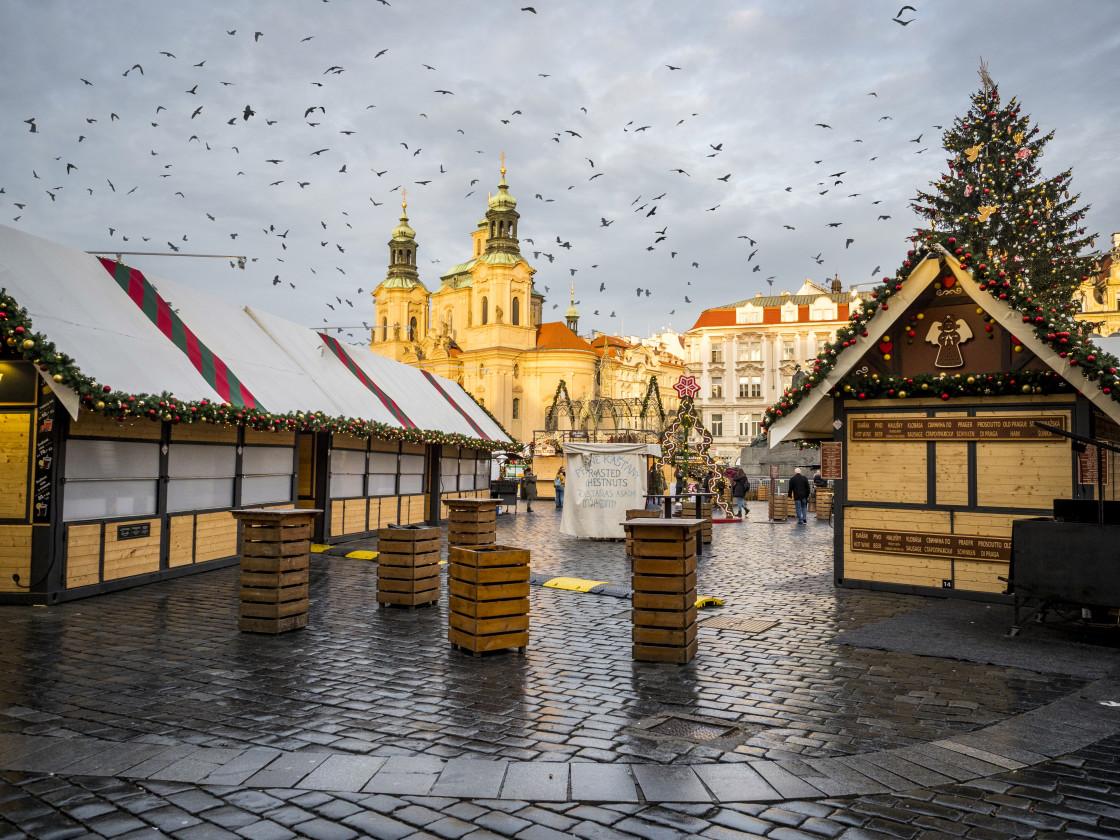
<point>165,664</point>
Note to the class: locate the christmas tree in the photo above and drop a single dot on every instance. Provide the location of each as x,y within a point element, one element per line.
<point>677,433</point>
<point>996,204</point>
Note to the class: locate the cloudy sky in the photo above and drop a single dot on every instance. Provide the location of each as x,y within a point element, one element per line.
<point>650,137</point>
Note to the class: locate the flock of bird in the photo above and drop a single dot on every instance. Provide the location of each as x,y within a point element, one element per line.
<point>217,125</point>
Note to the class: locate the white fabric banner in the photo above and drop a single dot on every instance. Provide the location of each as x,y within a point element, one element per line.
<point>604,480</point>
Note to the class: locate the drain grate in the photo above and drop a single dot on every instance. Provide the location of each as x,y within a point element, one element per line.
<point>675,727</point>
<point>743,625</point>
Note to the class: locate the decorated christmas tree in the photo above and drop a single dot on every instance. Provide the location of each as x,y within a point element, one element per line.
<point>996,203</point>
<point>675,449</point>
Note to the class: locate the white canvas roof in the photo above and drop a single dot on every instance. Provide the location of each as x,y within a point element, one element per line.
<point>77,304</point>
<point>420,400</point>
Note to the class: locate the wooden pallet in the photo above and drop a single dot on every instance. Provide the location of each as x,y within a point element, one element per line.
<point>488,588</point>
<point>663,577</point>
<point>275,569</point>
<point>408,566</point>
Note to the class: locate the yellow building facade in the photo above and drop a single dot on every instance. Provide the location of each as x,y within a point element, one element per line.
<point>483,328</point>
<point>1100,294</point>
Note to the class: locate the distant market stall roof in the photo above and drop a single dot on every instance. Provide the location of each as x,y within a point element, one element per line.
<point>110,339</point>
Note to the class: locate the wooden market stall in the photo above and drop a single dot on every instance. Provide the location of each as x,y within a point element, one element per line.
<point>129,430</point>
<point>927,419</point>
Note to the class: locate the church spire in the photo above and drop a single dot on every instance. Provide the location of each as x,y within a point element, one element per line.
<point>572,315</point>
<point>502,216</point>
<point>402,252</point>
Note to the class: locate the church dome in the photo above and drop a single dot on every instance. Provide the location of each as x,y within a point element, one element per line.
<point>402,230</point>
<point>503,200</point>
<point>572,311</point>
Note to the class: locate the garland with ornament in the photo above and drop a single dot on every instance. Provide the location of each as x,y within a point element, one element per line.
<point>685,420</point>
<point>653,393</point>
<point>24,342</point>
<point>1019,237</point>
<point>561,388</point>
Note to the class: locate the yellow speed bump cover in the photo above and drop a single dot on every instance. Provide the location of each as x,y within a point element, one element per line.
<point>574,584</point>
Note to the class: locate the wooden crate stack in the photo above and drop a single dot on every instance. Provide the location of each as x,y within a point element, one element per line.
<point>408,565</point>
<point>663,577</point>
<point>275,567</point>
<point>762,492</point>
<point>489,598</point>
<point>781,507</point>
<point>824,503</point>
<point>704,513</point>
<point>472,521</point>
<point>638,513</point>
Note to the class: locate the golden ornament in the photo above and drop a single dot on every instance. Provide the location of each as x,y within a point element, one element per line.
<point>1017,137</point>
<point>28,344</point>
<point>57,377</point>
<point>973,152</point>
<point>986,211</point>
<point>100,405</point>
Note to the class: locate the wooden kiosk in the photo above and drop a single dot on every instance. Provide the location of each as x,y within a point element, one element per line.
<point>928,419</point>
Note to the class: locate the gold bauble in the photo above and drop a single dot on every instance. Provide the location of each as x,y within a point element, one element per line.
<point>971,380</point>
<point>886,357</point>
<point>1026,389</point>
<point>11,342</point>
<point>925,386</point>
<point>28,344</point>
<point>902,395</point>
<point>921,316</point>
<point>100,405</point>
<point>1018,348</point>
<point>57,377</point>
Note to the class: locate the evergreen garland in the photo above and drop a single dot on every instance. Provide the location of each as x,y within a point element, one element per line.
<point>561,388</point>
<point>653,392</point>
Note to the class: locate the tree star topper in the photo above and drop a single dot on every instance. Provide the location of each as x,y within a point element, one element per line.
<point>686,387</point>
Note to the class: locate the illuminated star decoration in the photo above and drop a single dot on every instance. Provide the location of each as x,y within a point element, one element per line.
<point>686,387</point>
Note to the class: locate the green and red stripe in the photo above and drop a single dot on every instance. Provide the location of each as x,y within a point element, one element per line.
<point>456,406</point>
<point>387,401</point>
<point>217,375</point>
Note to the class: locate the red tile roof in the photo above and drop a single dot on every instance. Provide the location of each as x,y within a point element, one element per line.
<point>555,335</point>
<point>715,318</point>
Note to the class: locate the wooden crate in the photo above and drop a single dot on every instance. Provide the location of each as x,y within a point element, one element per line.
<point>761,493</point>
<point>489,597</point>
<point>472,521</point>
<point>638,513</point>
<point>408,566</point>
<point>275,569</point>
<point>781,508</point>
<point>705,513</point>
<point>824,503</point>
<point>663,577</point>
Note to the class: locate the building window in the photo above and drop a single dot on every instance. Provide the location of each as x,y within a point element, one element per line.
<point>485,310</point>
<point>716,425</point>
<point>717,387</point>
<point>750,387</point>
<point>750,352</point>
<point>515,314</point>
<point>788,350</point>
<point>824,312</point>
<point>745,426</point>
<point>411,329</point>
<point>744,386</point>
<point>749,315</point>
<point>516,408</point>
<point>750,425</point>
<point>717,354</point>
<point>789,313</point>
<point>384,328</point>
<point>516,371</point>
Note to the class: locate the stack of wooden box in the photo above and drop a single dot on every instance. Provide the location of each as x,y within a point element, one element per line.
<point>489,598</point>
<point>663,577</point>
<point>472,521</point>
<point>704,512</point>
<point>824,503</point>
<point>408,565</point>
<point>275,566</point>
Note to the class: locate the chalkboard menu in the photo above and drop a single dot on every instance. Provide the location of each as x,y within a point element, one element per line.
<point>832,460</point>
<point>44,460</point>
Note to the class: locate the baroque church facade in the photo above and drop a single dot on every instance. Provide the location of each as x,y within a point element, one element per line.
<point>483,328</point>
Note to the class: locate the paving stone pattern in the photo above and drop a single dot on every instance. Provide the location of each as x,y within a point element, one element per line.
<point>165,664</point>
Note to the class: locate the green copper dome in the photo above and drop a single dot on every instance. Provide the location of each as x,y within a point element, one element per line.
<point>503,200</point>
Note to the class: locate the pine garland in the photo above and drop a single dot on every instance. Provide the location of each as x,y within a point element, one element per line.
<point>561,388</point>
<point>653,392</point>
<point>22,340</point>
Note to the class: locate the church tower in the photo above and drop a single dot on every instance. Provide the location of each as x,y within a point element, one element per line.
<point>571,317</point>
<point>400,302</point>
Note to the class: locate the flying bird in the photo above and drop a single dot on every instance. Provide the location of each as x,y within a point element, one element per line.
<point>724,178</point>
<point>257,36</point>
<point>528,9</point>
<point>671,67</point>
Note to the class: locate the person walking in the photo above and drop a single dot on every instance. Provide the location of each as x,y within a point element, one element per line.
<point>740,486</point>
<point>799,492</point>
<point>558,484</point>
<point>528,488</point>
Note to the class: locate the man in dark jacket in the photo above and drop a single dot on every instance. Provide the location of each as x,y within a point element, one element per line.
<point>799,492</point>
<point>740,486</point>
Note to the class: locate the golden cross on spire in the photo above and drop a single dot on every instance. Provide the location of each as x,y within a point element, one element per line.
<point>404,200</point>
<point>503,158</point>
<point>573,291</point>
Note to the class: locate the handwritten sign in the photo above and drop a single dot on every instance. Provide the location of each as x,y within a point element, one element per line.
<point>947,546</point>
<point>988,427</point>
<point>832,460</point>
<point>44,461</point>
<point>599,489</point>
<point>1089,465</point>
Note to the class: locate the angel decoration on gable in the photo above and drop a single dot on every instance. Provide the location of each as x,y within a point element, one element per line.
<point>949,333</point>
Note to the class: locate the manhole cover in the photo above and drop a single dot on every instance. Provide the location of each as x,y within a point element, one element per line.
<point>676,727</point>
<point>743,625</point>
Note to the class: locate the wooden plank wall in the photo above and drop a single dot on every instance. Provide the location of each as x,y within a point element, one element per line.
<point>128,558</point>
<point>15,555</point>
<point>83,555</point>
<point>15,450</point>
<point>90,424</point>
<point>203,433</point>
<point>215,536</point>
<point>1015,475</point>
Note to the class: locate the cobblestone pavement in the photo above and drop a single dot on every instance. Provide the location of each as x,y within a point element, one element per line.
<point>95,690</point>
